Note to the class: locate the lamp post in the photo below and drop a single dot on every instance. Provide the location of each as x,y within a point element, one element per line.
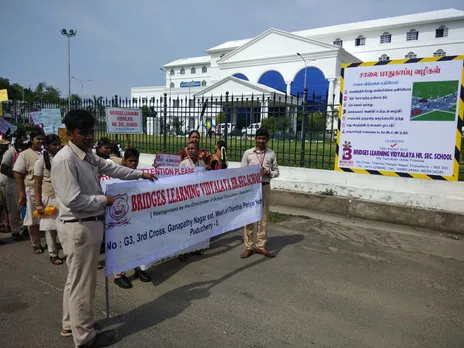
<point>169,76</point>
<point>306,66</point>
<point>82,85</point>
<point>69,34</point>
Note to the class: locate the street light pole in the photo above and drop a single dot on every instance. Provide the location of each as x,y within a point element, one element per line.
<point>82,85</point>
<point>306,66</point>
<point>69,35</point>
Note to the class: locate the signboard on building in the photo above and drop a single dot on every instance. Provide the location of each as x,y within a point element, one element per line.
<point>124,121</point>
<point>401,118</point>
<point>190,84</point>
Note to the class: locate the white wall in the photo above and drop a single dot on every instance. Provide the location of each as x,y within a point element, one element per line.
<point>425,46</point>
<point>428,194</point>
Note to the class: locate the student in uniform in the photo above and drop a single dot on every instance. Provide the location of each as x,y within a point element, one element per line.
<point>45,195</point>
<point>24,175</point>
<point>131,160</point>
<point>11,191</point>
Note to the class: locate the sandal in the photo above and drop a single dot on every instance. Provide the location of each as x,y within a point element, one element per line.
<point>16,237</point>
<point>56,260</point>
<point>37,249</point>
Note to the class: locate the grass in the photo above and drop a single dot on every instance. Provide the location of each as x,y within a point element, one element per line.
<point>318,154</point>
<point>434,89</point>
<point>278,217</point>
<point>436,115</point>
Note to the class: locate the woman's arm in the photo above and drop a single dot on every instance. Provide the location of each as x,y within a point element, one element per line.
<point>38,194</point>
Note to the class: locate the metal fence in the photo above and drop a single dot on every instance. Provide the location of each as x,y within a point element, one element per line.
<point>301,134</point>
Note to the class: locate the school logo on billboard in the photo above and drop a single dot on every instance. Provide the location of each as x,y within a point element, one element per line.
<point>347,155</point>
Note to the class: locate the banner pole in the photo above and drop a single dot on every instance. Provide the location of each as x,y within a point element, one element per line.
<point>107,296</point>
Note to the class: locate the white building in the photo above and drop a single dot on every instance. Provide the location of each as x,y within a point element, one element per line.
<point>269,62</point>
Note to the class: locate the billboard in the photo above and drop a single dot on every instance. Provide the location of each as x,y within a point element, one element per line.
<point>401,118</point>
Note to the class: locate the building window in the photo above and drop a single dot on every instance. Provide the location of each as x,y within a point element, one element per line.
<point>385,38</point>
<point>442,31</point>
<point>439,53</point>
<point>172,72</point>
<point>203,83</point>
<point>384,58</point>
<point>338,42</point>
<point>134,100</point>
<point>360,41</point>
<point>175,103</point>
<point>410,55</point>
<point>182,71</point>
<point>172,85</point>
<point>413,34</point>
<point>191,103</point>
<point>144,100</point>
<point>193,70</point>
<point>204,70</point>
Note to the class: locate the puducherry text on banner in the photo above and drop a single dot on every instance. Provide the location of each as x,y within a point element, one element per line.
<point>149,221</point>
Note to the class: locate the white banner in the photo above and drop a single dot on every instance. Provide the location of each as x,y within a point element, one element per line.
<point>160,172</point>
<point>124,121</point>
<point>401,119</point>
<point>151,221</point>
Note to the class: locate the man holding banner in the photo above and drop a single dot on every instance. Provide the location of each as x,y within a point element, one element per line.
<point>81,206</point>
<point>267,160</point>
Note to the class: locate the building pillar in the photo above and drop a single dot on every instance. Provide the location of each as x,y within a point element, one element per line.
<point>264,109</point>
<point>289,86</point>
<point>332,82</point>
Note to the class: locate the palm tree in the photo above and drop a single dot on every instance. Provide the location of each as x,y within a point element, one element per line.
<point>98,109</point>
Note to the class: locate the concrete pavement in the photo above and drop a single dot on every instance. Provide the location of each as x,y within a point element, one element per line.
<point>335,282</point>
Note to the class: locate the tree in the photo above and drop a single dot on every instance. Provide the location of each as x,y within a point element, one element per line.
<point>177,124</point>
<point>15,91</point>
<point>46,93</point>
<point>317,121</point>
<point>277,123</point>
<point>221,117</point>
<point>76,100</point>
<point>98,109</point>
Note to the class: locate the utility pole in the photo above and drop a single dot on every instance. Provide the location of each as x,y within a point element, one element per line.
<point>82,85</point>
<point>69,35</point>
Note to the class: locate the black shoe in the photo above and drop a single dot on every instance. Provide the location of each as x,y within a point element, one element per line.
<point>102,339</point>
<point>142,275</point>
<point>68,333</point>
<point>123,282</point>
<point>16,237</point>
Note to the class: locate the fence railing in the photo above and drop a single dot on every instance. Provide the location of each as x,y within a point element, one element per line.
<point>301,134</point>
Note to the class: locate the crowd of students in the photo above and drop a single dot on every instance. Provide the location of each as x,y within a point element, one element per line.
<point>57,191</point>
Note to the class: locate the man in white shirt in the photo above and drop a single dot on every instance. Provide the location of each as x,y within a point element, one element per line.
<point>266,158</point>
<point>81,206</point>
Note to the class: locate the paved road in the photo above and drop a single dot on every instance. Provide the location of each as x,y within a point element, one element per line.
<point>335,282</point>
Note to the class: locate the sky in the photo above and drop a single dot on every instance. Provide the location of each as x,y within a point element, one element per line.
<point>122,44</point>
